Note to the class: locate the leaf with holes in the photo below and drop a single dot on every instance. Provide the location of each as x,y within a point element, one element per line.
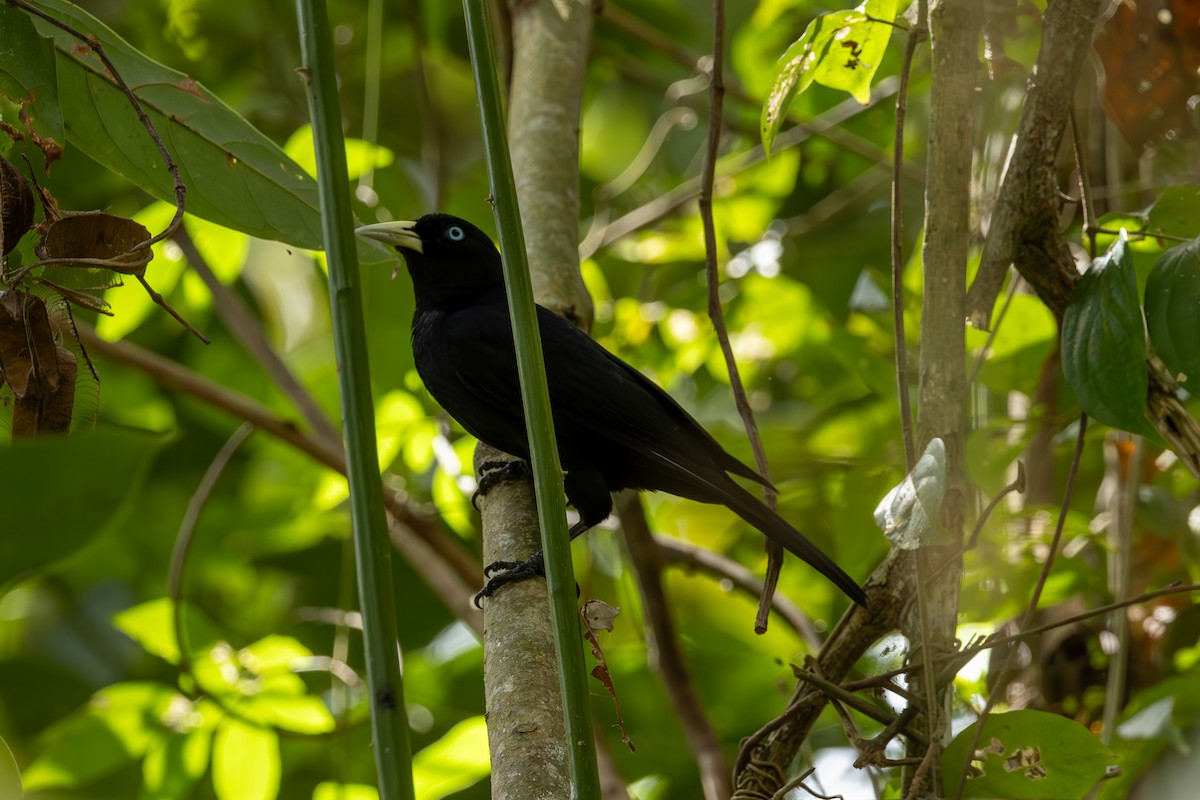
<point>1172,303</point>
<point>1104,343</point>
<point>1031,755</point>
<point>841,50</point>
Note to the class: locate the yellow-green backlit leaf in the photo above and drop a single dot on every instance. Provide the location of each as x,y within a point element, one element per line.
<point>245,762</point>
<point>454,762</point>
<point>841,50</point>
<point>344,791</point>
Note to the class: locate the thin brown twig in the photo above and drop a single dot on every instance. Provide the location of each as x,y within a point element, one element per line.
<point>657,40</point>
<point>915,36</point>
<point>407,523</point>
<point>955,661</point>
<point>1017,485</point>
<point>1147,234</point>
<point>1085,184</point>
<point>1031,608</point>
<point>835,690</point>
<point>685,192</point>
<point>708,176</point>
<point>249,332</point>
<point>165,306</point>
<point>92,43</point>
<point>664,642</point>
<point>977,365</point>
<point>187,528</point>
<point>690,555</point>
<point>179,555</point>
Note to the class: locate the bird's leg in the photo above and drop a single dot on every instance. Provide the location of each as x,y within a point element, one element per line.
<point>500,573</point>
<point>494,473</point>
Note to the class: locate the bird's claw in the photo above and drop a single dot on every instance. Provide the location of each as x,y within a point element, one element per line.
<point>501,573</point>
<point>493,473</point>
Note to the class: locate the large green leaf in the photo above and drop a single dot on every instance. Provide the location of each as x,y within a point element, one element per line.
<point>1104,343</point>
<point>56,493</point>
<point>841,50</point>
<point>235,175</point>
<point>1027,755</point>
<point>1173,309</point>
<point>27,72</point>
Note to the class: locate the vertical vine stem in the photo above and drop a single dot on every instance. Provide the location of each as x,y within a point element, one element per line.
<point>535,397</point>
<point>916,34</point>
<point>707,178</point>
<point>372,547</point>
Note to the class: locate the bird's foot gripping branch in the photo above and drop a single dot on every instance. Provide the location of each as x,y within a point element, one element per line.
<point>502,573</point>
<point>615,429</point>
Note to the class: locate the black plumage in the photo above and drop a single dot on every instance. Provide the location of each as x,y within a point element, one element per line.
<point>615,429</point>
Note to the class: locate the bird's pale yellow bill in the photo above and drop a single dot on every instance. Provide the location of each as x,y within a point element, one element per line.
<point>398,233</point>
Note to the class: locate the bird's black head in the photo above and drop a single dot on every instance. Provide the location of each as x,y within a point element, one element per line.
<point>450,260</point>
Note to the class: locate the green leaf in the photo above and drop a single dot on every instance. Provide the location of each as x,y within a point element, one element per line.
<point>235,175</point>
<point>361,156</point>
<point>841,50</point>
<point>72,486</point>
<point>1025,336</point>
<point>27,72</point>
<point>152,625</point>
<point>245,762</point>
<point>857,50</point>
<point>296,714</point>
<point>175,763</point>
<point>1173,309</point>
<point>1176,212</point>
<point>113,730</point>
<point>454,762</point>
<point>1027,755</point>
<point>344,791</point>
<point>1104,343</point>
<point>10,776</point>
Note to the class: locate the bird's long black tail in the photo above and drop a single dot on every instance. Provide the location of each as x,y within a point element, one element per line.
<point>775,527</point>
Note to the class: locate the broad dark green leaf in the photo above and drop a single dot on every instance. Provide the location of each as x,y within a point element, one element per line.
<point>27,72</point>
<point>56,492</point>
<point>1027,755</point>
<point>1173,309</point>
<point>1176,212</point>
<point>235,175</point>
<point>1104,343</point>
<point>841,50</point>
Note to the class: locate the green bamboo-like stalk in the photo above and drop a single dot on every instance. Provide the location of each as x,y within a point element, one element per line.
<point>389,720</point>
<point>547,474</point>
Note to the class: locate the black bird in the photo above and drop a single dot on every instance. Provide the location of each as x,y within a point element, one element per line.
<point>615,428</point>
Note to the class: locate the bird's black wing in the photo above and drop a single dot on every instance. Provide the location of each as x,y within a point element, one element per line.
<point>605,408</point>
<point>595,395</point>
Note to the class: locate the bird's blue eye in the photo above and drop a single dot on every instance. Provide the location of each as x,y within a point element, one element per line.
<point>455,233</point>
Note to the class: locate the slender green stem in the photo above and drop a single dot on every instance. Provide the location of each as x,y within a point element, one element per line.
<point>547,474</point>
<point>389,721</point>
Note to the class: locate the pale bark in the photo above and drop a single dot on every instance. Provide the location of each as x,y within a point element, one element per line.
<point>954,28</point>
<point>526,729</point>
